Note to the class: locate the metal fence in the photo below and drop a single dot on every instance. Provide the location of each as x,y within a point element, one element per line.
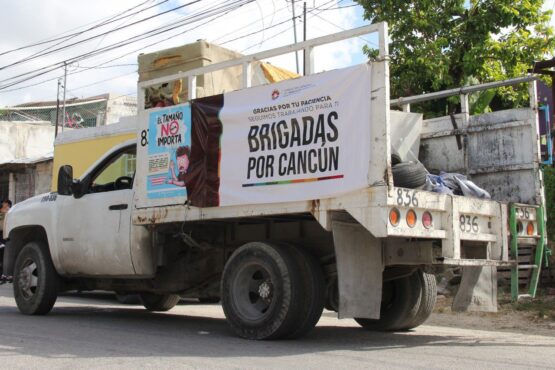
<point>91,112</point>
<point>87,114</point>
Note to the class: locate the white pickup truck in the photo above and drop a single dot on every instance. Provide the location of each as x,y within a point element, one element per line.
<point>277,199</point>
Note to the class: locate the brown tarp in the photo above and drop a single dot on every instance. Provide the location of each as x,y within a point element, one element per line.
<point>203,178</point>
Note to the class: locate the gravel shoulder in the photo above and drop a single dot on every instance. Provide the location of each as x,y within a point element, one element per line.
<point>529,317</point>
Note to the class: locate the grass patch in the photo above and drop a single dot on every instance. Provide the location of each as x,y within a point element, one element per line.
<point>541,308</point>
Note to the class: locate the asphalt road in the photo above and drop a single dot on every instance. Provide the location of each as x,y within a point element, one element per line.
<point>94,331</point>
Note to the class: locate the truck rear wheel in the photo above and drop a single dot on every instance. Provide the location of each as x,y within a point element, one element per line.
<point>426,302</point>
<point>262,292</point>
<point>159,302</point>
<point>314,288</point>
<point>36,282</point>
<point>398,298</point>
<point>125,298</point>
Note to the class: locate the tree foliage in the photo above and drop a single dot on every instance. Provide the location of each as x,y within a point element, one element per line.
<point>549,182</point>
<point>440,44</point>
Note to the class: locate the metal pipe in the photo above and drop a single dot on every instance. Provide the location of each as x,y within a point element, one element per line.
<point>304,36</point>
<point>461,91</point>
<point>295,34</point>
<point>57,108</point>
<point>376,27</point>
<point>64,104</point>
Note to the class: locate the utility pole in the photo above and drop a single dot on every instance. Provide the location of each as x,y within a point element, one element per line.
<point>64,104</point>
<point>57,107</point>
<point>304,36</point>
<point>295,34</point>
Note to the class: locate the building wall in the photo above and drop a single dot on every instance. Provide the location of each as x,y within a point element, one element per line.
<point>23,184</point>
<point>118,107</point>
<point>83,154</point>
<point>43,177</point>
<point>27,180</point>
<point>19,140</point>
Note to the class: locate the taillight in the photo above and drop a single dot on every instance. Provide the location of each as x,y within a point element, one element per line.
<point>427,220</point>
<point>411,218</point>
<point>394,216</point>
<point>530,228</point>
<point>519,227</point>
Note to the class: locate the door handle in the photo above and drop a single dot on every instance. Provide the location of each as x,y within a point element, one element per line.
<point>117,207</point>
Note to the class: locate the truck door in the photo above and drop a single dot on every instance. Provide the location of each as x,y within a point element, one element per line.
<point>94,230</point>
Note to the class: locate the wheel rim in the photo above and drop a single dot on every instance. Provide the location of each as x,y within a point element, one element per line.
<point>253,292</point>
<point>28,279</point>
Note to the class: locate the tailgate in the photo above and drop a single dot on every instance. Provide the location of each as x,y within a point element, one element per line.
<point>472,231</point>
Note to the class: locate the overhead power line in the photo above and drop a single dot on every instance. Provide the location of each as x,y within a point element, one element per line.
<point>72,35</point>
<point>189,20</point>
<point>110,20</point>
<point>274,26</point>
<point>214,12</point>
<point>24,60</point>
<point>48,69</point>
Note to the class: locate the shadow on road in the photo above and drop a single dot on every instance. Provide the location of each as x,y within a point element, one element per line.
<point>87,331</point>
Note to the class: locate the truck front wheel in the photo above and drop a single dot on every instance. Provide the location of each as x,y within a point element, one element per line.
<point>159,302</point>
<point>36,282</point>
<point>262,292</point>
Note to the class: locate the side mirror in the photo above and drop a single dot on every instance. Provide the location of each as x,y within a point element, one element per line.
<point>65,180</point>
<point>77,189</point>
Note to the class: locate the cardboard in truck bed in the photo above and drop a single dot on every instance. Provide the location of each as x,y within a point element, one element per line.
<point>196,55</point>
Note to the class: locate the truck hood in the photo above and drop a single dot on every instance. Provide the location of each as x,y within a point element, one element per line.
<point>27,202</point>
<point>23,212</point>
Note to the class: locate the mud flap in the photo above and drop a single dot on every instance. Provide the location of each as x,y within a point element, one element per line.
<point>360,269</point>
<point>478,290</point>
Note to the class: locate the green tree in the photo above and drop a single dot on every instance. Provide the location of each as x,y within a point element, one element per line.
<point>441,44</point>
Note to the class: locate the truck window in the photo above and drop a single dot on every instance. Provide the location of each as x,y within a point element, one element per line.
<point>117,174</point>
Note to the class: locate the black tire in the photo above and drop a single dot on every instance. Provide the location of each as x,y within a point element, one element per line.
<point>159,302</point>
<point>426,303</point>
<point>36,282</point>
<point>409,175</point>
<point>414,304</point>
<point>397,300</point>
<point>314,296</point>
<point>208,300</point>
<point>395,157</point>
<point>261,291</point>
<point>332,295</point>
<point>125,298</point>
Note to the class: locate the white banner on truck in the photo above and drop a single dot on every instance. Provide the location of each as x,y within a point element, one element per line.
<point>299,139</point>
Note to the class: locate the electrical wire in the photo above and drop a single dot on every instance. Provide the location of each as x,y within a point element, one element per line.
<point>105,80</point>
<point>103,23</point>
<point>44,70</point>
<point>111,66</point>
<point>123,21</point>
<point>277,24</point>
<point>138,38</point>
<point>3,88</point>
<point>343,29</point>
<point>110,20</point>
<point>216,40</point>
<point>24,60</point>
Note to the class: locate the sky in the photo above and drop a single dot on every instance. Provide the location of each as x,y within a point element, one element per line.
<point>47,33</point>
